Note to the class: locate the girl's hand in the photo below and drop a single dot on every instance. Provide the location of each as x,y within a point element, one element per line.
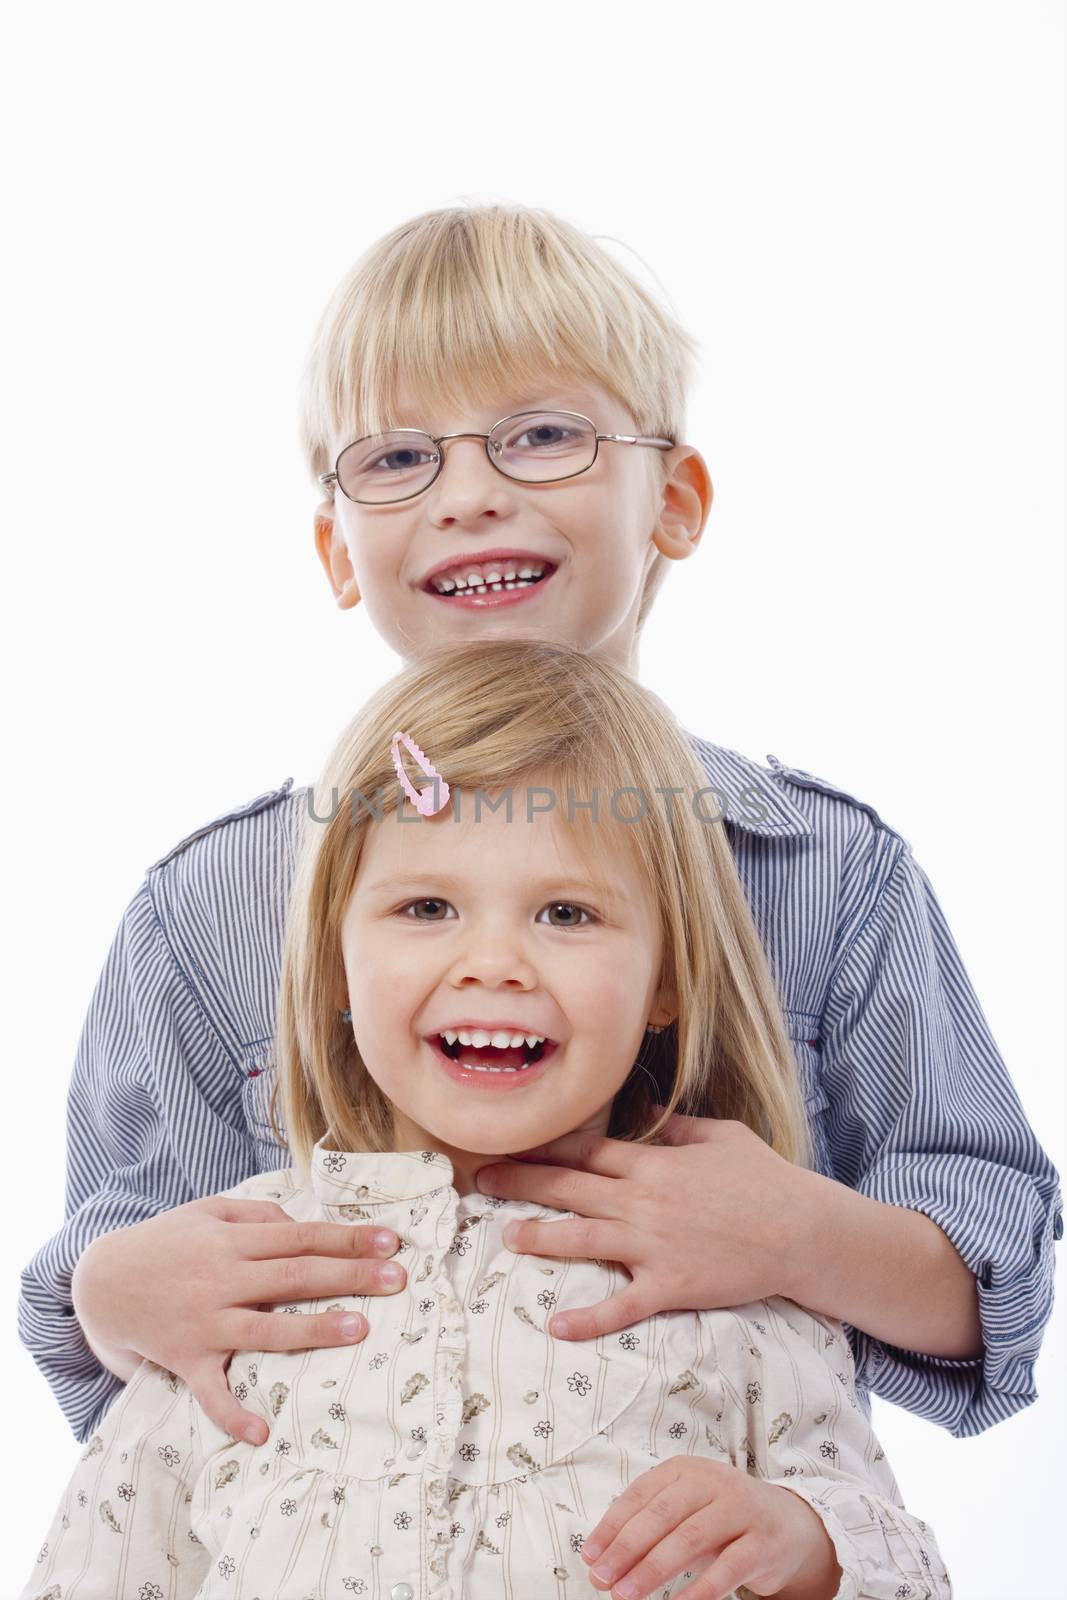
<point>184,1289</point>
<point>711,1518</point>
<point>720,1220</point>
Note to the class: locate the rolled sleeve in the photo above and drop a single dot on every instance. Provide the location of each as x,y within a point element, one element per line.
<point>922,1113</point>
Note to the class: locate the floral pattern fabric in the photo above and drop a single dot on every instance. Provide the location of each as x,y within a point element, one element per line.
<point>460,1450</point>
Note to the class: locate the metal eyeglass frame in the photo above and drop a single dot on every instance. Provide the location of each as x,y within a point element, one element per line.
<point>441,438</point>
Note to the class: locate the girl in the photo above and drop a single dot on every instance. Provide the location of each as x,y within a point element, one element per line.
<point>525,946</point>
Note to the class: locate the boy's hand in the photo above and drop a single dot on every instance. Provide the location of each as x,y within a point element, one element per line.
<point>712,1518</point>
<point>719,1220</point>
<point>184,1289</point>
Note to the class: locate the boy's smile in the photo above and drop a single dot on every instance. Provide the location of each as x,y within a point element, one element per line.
<point>570,557</point>
<point>495,577</point>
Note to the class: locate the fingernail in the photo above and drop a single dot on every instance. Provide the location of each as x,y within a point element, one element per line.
<point>511,1233</point>
<point>628,1589</point>
<point>390,1272</point>
<point>252,1433</point>
<point>591,1549</point>
<point>601,1574</point>
<point>352,1327</point>
<point>383,1239</point>
<point>559,1327</point>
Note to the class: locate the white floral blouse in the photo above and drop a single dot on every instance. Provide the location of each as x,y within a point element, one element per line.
<point>460,1450</point>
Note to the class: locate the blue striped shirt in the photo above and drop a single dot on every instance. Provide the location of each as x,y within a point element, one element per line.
<point>907,1096</point>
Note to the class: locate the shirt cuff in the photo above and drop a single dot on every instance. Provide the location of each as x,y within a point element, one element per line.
<point>1005,1233</point>
<point>877,1554</point>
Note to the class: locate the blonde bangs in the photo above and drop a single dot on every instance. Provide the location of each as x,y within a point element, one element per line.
<point>458,305</point>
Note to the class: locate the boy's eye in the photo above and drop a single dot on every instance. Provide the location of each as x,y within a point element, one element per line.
<point>405,459</point>
<point>543,436</point>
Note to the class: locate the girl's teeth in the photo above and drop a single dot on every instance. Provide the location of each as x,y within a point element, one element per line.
<point>479,1066</point>
<point>500,1038</point>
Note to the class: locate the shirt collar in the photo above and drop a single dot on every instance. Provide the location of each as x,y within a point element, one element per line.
<point>746,794</point>
<point>376,1177</point>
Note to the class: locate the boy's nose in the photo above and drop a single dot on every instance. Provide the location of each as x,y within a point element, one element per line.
<point>468,485</point>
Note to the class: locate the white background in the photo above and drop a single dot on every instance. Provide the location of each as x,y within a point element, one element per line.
<point>859,211</point>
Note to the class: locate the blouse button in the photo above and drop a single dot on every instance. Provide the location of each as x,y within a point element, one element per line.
<point>416,1449</point>
<point>401,1591</point>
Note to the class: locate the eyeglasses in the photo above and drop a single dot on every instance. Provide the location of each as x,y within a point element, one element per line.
<point>530,446</point>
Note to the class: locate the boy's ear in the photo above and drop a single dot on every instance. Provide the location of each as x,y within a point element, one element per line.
<point>333,554</point>
<point>685,501</point>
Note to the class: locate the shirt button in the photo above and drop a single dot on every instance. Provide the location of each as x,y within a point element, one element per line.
<point>401,1591</point>
<point>416,1449</point>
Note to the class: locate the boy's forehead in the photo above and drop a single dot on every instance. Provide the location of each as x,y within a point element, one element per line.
<point>554,392</point>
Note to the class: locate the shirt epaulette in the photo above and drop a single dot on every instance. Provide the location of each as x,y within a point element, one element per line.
<point>807,780</point>
<point>261,803</point>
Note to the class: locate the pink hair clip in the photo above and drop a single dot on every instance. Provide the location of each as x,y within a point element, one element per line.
<point>422,799</point>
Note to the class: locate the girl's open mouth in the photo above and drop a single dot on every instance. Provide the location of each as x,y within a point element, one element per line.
<point>484,584</point>
<point>484,1066</point>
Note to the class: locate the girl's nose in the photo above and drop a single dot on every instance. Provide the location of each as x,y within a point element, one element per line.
<point>494,963</point>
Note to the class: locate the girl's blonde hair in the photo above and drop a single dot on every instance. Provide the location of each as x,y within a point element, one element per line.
<point>491,716</point>
<point>461,303</point>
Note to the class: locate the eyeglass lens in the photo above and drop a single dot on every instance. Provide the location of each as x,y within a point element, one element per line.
<point>534,447</point>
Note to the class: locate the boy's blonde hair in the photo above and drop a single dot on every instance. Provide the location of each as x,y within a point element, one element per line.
<point>460,303</point>
<point>491,716</point>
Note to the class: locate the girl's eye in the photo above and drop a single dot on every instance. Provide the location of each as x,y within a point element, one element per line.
<point>430,910</point>
<point>434,905</point>
<point>571,913</point>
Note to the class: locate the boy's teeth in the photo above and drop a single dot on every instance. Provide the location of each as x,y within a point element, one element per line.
<point>494,578</point>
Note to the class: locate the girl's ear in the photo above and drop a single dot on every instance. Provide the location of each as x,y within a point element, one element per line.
<point>684,505</point>
<point>333,553</point>
<point>665,1008</point>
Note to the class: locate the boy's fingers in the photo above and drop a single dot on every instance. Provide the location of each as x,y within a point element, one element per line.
<point>313,1278</point>
<point>274,1330</point>
<point>230,1210</point>
<point>212,1392</point>
<point>289,1238</point>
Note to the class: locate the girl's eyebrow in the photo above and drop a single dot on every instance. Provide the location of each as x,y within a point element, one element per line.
<point>444,880</point>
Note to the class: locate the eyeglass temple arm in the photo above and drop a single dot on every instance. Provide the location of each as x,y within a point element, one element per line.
<point>327,477</point>
<point>636,438</point>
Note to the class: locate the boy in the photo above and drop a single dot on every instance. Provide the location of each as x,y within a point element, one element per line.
<point>475,325</point>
